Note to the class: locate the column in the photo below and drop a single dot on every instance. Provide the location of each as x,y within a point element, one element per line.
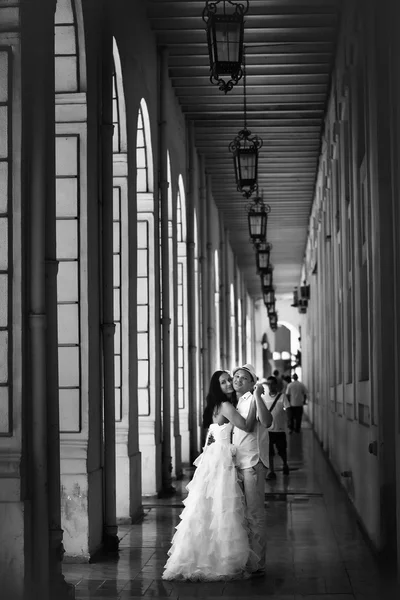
<point>193,372</point>
<point>223,363</point>
<point>167,488</point>
<point>213,359</point>
<point>206,289</point>
<point>110,538</point>
<point>42,380</point>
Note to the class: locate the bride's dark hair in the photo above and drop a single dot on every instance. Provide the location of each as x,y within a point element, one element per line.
<point>214,398</point>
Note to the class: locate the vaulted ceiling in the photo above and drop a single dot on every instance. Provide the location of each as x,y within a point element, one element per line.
<point>290,50</point>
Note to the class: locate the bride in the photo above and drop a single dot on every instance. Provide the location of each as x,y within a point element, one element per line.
<point>211,541</point>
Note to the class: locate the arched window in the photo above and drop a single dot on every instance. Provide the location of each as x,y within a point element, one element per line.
<point>144,156</point>
<point>71,203</point>
<point>119,111</point>
<point>120,235</point>
<point>182,292</point>
<point>70,63</point>
<point>144,226</point>
<point>182,315</point>
<point>148,344</point>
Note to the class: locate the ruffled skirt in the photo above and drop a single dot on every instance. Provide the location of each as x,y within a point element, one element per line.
<point>211,542</point>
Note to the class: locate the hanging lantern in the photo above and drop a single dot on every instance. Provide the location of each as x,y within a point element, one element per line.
<point>302,306</point>
<point>273,321</point>
<point>225,41</point>
<point>266,278</point>
<point>305,291</point>
<point>257,215</point>
<point>269,297</point>
<point>245,149</point>
<point>263,255</point>
<point>271,309</point>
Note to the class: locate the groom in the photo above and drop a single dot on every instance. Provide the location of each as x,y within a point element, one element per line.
<point>252,456</point>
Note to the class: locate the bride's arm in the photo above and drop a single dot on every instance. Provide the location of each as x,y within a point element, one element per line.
<point>230,412</point>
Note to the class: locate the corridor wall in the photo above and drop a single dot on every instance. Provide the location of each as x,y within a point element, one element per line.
<point>348,339</point>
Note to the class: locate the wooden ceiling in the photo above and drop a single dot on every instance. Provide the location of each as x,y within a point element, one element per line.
<point>290,49</point>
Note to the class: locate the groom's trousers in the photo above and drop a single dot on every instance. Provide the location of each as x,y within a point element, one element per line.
<point>254,492</point>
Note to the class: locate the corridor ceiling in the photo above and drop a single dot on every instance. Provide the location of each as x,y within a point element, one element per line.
<point>290,49</point>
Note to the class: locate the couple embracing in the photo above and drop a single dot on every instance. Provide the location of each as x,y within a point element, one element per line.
<point>221,535</point>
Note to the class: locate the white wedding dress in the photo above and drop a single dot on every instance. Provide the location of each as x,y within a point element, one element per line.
<point>211,542</point>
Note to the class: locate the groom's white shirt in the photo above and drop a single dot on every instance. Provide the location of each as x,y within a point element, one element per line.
<point>250,447</point>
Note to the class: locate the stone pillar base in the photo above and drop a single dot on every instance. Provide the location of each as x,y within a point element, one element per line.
<point>62,590</point>
<point>177,457</point>
<point>110,540</point>
<point>135,475</point>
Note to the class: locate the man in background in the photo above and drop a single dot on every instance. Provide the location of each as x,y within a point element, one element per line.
<point>296,393</point>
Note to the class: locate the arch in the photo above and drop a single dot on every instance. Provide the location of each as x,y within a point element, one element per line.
<point>144,153</point>
<point>294,335</point>
<point>294,340</point>
<point>119,109</point>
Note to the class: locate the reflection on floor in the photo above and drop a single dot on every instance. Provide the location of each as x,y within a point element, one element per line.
<point>315,548</point>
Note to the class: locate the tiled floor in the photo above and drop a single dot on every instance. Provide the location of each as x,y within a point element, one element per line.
<point>315,548</point>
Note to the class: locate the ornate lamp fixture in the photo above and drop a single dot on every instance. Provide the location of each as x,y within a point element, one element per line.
<point>302,306</point>
<point>225,41</point>
<point>257,215</point>
<point>305,291</point>
<point>273,321</point>
<point>263,255</point>
<point>266,278</point>
<point>269,298</point>
<point>245,149</point>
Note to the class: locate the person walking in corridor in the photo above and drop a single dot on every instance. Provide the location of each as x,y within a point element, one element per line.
<point>277,404</point>
<point>211,542</point>
<point>281,382</point>
<point>252,456</point>
<point>296,393</point>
